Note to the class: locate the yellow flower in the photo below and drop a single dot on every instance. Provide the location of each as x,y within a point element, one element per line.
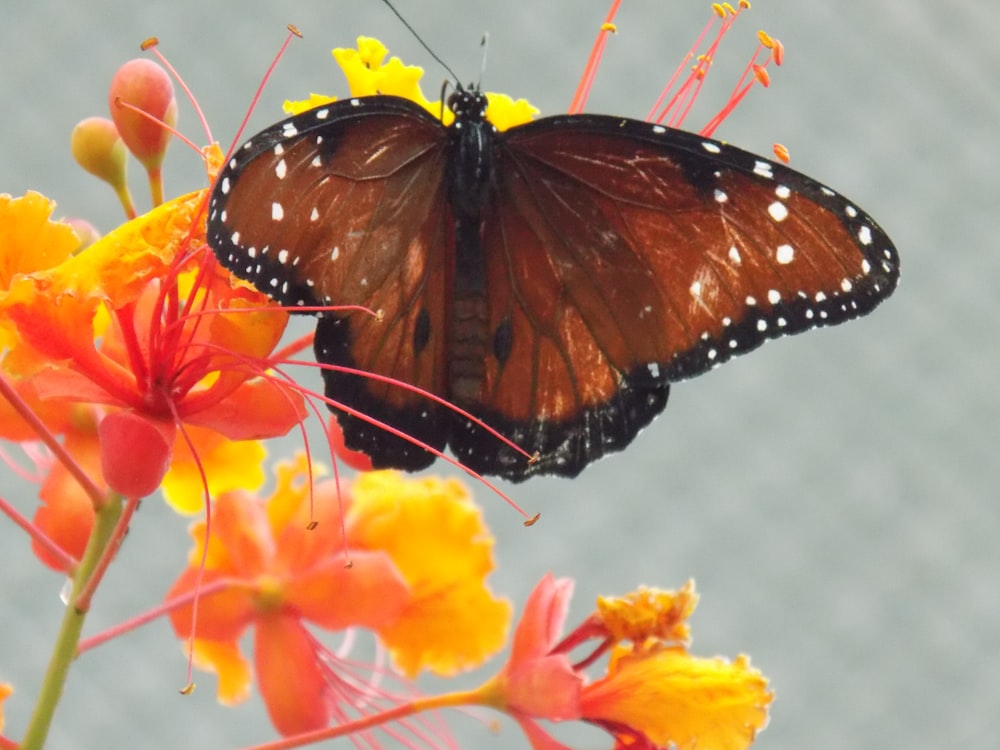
<point>435,534</point>
<point>368,73</point>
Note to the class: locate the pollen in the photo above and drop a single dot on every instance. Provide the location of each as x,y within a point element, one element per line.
<point>765,39</point>
<point>609,27</point>
<point>648,614</point>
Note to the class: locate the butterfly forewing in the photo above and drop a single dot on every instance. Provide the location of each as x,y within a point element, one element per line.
<point>345,205</point>
<point>702,250</point>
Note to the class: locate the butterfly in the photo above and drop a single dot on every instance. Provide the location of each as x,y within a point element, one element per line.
<point>551,280</point>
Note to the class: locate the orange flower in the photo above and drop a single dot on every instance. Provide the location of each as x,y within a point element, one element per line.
<point>267,570</point>
<point>654,695</point>
<point>144,323</point>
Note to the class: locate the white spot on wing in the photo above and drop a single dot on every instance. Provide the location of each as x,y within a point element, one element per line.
<point>734,255</point>
<point>280,169</point>
<point>785,254</point>
<point>712,148</point>
<point>778,211</point>
<point>763,169</point>
<point>277,212</point>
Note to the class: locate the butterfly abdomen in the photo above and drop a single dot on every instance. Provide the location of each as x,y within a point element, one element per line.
<point>470,170</point>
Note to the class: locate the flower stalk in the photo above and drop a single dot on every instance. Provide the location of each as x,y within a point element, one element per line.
<point>68,638</point>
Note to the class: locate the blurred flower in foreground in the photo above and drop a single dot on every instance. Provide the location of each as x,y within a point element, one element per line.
<point>654,693</point>
<point>411,569</point>
<point>134,323</point>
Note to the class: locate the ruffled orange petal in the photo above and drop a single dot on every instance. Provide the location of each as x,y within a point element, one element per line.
<point>290,676</point>
<point>673,697</point>
<point>258,408</point>
<point>29,242</point>
<point>67,512</point>
<point>222,616</point>
<point>436,537</point>
<point>369,593</point>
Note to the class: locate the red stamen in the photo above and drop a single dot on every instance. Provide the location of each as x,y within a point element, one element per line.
<point>151,44</point>
<point>594,60</point>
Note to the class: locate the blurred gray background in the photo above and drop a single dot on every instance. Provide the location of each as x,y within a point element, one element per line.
<point>834,495</point>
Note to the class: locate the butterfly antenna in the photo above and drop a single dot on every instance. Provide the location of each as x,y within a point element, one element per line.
<point>485,44</point>
<point>417,36</point>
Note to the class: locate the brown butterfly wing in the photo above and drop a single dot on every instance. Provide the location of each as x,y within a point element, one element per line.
<point>622,257</point>
<point>364,222</point>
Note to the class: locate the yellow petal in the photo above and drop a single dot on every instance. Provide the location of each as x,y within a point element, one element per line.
<point>231,667</point>
<point>649,614</point>
<point>228,465</point>
<point>435,535</point>
<point>299,106</point>
<point>673,697</point>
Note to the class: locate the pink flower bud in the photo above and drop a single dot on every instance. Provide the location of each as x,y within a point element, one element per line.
<point>147,86</point>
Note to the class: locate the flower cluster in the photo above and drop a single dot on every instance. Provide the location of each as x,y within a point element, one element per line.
<point>132,364</point>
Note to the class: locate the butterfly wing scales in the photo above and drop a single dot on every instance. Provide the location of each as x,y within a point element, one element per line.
<point>622,257</point>
<point>357,226</point>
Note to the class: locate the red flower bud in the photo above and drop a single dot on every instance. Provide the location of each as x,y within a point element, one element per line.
<point>145,85</point>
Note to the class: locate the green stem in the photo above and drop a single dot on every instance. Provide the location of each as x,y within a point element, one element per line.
<point>72,625</point>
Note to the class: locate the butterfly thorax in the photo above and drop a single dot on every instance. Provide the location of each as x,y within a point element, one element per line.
<point>470,172</point>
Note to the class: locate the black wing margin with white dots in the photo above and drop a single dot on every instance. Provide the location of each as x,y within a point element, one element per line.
<point>623,256</point>
<point>345,205</point>
<point>679,252</point>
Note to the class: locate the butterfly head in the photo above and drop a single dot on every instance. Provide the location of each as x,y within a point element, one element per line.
<point>468,104</point>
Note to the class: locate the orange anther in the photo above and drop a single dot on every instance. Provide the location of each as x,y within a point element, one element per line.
<point>782,153</point>
<point>295,30</point>
<point>609,27</point>
<point>778,52</point>
<point>720,11</point>
<point>761,75</point>
<point>765,39</point>
<point>147,44</point>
